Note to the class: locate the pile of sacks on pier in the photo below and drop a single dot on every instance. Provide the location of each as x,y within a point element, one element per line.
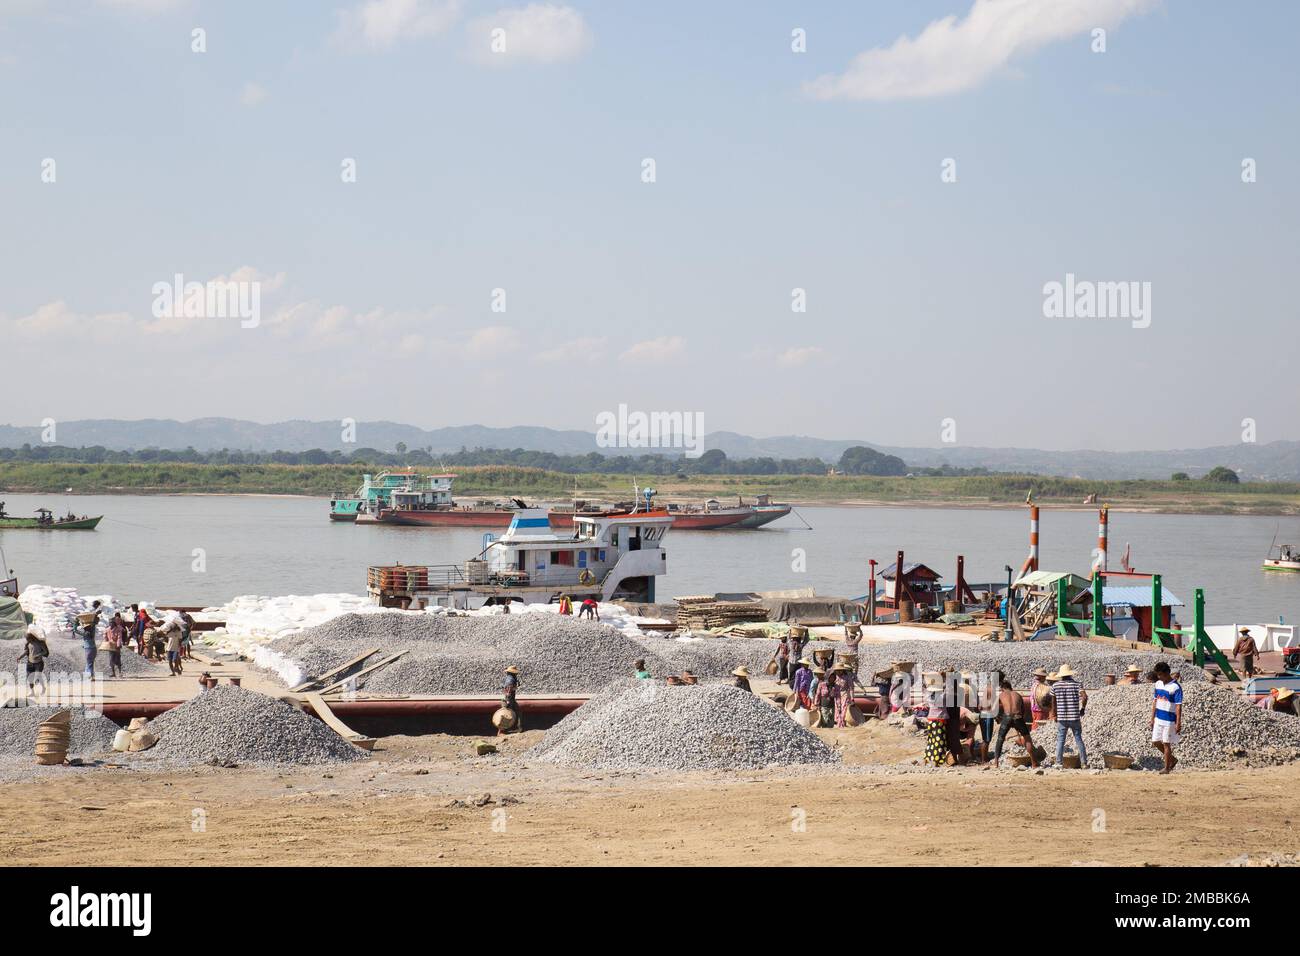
<point>54,610</point>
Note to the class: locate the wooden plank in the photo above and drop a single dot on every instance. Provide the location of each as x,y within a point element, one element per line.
<point>337,685</point>
<point>332,721</point>
<point>323,678</point>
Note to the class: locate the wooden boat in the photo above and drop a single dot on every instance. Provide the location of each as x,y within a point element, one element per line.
<point>45,521</point>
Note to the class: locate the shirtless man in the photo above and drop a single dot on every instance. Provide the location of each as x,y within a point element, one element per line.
<point>1011,715</point>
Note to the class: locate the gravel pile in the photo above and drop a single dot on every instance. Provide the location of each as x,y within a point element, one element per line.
<point>466,655</point>
<point>647,725</point>
<point>236,725</point>
<point>91,734</point>
<point>1220,727</point>
<point>68,657</point>
<point>1018,660</point>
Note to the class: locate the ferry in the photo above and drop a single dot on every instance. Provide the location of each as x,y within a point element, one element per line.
<point>605,556</point>
<point>404,498</point>
<point>376,492</point>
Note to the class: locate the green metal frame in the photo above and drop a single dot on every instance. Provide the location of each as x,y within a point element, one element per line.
<point>1065,625</point>
<point>1198,641</point>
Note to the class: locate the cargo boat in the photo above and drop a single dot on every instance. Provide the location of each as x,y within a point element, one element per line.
<point>765,511</point>
<point>403,498</point>
<point>376,493</point>
<point>708,517</point>
<point>605,556</point>
<point>45,521</point>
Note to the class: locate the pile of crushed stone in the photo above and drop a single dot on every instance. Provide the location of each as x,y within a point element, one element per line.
<point>647,725</point>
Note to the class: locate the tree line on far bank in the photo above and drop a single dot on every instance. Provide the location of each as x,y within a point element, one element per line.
<point>858,460</point>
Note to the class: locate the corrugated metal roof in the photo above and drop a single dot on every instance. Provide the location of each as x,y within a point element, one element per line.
<point>1136,595</point>
<point>1044,579</point>
<point>888,573</point>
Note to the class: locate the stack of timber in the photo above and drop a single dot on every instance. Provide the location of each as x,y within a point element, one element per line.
<point>705,612</point>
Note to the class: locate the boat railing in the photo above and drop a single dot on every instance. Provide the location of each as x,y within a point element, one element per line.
<point>413,579</point>
<point>409,578</point>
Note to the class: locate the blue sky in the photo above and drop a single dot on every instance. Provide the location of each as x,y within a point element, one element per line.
<point>522,171</point>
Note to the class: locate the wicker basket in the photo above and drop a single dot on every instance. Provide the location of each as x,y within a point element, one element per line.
<point>1117,761</point>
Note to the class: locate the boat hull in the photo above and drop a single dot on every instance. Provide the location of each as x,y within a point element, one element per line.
<point>1285,566</point>
<point>452,518</point>
<point>80,524</point>
<point>682,521</point>
<point>764,514</point>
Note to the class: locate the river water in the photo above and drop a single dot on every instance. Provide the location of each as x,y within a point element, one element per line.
<point>197,549</point>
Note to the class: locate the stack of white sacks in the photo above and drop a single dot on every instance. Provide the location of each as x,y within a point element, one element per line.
<point>54,610</point>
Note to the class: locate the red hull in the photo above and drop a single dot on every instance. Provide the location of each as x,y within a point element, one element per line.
<point>454,518</point>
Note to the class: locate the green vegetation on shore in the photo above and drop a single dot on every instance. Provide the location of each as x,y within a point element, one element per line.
<point>536,483</point>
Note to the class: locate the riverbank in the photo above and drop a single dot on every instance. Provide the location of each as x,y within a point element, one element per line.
<point>982,491</point>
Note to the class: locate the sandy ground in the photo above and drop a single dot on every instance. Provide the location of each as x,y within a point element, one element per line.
<point>428,800</point>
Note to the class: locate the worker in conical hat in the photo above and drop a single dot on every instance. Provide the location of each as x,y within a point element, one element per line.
<point>510,702</point>
<point>742,678</point>
<point>1246,649</point>
<point>1132,675</point>
<point>803,683</point>
<point>1285,701</point>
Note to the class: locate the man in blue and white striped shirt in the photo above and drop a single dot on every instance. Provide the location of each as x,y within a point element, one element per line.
<point>1166,714</point>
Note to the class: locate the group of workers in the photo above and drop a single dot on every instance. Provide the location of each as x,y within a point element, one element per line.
<point>170,638</point>
<point>588,608</point>
<point>955,711</point>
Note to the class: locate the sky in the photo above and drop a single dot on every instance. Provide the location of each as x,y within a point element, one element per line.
<point>830,219</point>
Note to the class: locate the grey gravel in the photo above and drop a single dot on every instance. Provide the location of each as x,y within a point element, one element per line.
<point>1220,728</point>
<point>231,724</point>
<point>91,733</point>
<point>67,657</point>
<point>466,655</point>
<point>648,725</point>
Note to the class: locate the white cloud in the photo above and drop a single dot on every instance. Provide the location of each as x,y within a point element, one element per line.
<point>801,355</point>
<point>537,33</point>
<point>378,24</point>
<point>656,350</point>
<point>952,55</point>
<point>145,7</point>
<point>492,340</point>
<point>586,347</point>
<point>252,94</point>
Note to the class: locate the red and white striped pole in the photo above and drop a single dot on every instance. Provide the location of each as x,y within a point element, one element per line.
<point>1031,562</point>
<point>1033,537</point>
<point>1102,534</point>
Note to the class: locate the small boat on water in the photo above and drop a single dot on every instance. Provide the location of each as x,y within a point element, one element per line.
<point>45,521</point>
<point>1283,558</point>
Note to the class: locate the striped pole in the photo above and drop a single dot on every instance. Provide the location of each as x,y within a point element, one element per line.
<point>1033,537</point>
<point>1031,562</point>
<point>1102,523</point>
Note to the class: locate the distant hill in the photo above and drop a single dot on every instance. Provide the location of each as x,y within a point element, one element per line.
<point>1278,461</point>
